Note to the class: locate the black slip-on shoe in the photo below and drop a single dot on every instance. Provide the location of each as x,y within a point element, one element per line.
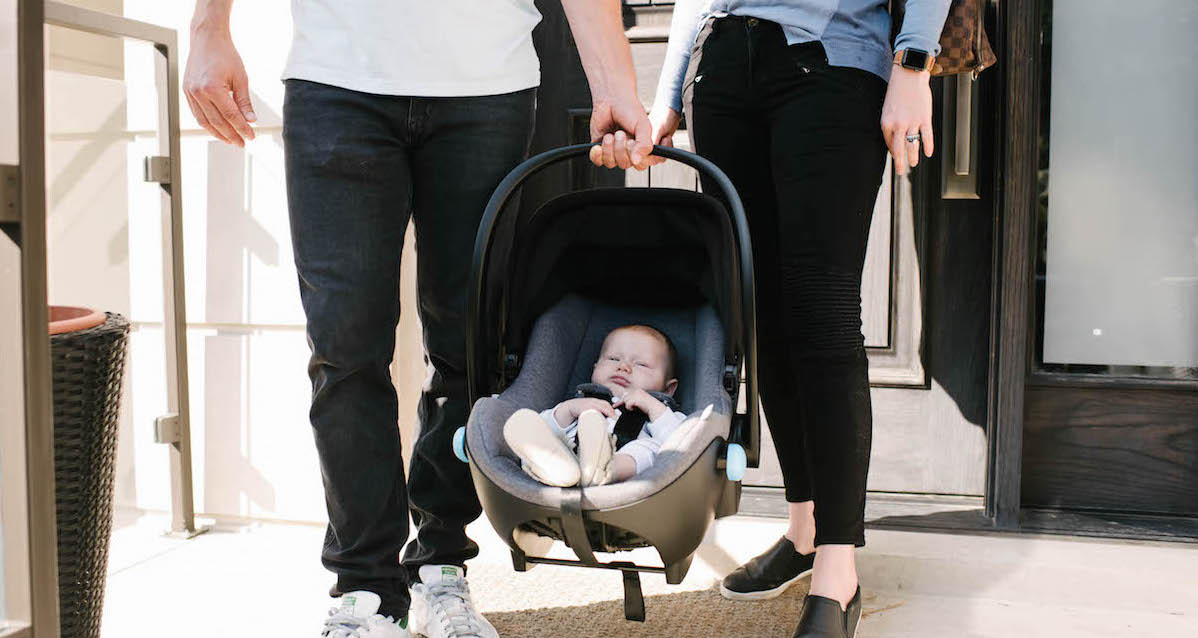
<point>768,575</point>
<point>822,618</point>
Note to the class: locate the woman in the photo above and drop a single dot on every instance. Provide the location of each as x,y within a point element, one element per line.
<point>786,96</point>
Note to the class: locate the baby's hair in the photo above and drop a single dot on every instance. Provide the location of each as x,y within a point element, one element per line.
<point>672,352</point>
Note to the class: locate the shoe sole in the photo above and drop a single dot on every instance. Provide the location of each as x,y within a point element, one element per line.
<point>856,624</point>
<point>594,446</point>
<point>764,594</point>
<point>544,454</point>
<point>416,617</point>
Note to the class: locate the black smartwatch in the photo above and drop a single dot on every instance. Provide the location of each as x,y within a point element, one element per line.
<point>915,59</point>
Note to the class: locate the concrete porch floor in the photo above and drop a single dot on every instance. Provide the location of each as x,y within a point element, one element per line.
<point>265,579</point>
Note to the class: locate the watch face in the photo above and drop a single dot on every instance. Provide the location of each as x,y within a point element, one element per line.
<point>913,59</point>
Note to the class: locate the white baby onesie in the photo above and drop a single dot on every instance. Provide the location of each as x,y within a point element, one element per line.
<point>642,449</point>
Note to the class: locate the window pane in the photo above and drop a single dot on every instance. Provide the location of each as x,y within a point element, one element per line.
<point>1121,238</point>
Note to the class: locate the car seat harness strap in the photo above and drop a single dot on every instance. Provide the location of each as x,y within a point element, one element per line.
<point>631,422</point>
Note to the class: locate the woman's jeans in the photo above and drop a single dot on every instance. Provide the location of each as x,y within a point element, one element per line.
<point>802,143</point>
<point>359,166</point>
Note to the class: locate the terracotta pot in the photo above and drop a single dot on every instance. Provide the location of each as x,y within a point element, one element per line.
<point>69,319</point>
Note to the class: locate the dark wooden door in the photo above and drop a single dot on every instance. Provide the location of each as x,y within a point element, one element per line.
<point>926,294</point>
<point>1099,428</point>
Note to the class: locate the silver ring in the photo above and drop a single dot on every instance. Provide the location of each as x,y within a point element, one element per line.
<point>913,138</point>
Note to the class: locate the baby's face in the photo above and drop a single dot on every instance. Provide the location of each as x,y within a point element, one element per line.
<point>633,358</point>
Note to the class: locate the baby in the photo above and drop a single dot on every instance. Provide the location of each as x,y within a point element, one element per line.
<point>634,363</point>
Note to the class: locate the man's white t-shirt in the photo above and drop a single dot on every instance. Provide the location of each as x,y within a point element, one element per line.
<point>427,48</point>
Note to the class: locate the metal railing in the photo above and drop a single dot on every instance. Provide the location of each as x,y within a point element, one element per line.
<point>30,560</point>
<point>27,510</point>
<point>173,428</point>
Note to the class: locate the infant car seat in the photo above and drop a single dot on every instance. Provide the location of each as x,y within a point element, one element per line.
<point>541,303</point>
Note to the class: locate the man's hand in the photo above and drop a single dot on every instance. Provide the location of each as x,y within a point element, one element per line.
<point>907,111</point>
<point>215,82</point>
<point>638,399</point>
<point>609,121</point>
<point>567,412</point>
<point>598,28</point>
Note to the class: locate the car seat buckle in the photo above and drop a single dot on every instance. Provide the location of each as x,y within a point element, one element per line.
<point>732,378</point>
<point>511,368</point>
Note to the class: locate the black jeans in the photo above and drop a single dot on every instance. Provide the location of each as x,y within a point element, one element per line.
<point>802,143</point>
<point>359,166</point>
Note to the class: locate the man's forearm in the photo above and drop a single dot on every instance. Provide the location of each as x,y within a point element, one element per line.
<point>211,15</point>
<point>598,30</point>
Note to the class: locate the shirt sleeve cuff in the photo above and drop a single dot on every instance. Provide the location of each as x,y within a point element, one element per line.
<point>664,425</point>
<point>919,42</point>
<point>551,419</point>
<point>640,453</point>
<point>670,93</point>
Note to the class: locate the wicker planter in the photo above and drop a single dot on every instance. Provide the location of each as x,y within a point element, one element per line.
<point>88,354</point>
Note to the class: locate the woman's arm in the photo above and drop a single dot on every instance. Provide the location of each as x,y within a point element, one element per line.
<point>922,24</point>
<point>684,26</point>
<point>667,104</point>
<point>908,107</point>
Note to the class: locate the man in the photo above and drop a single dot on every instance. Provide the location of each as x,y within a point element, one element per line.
<point>398,110</point>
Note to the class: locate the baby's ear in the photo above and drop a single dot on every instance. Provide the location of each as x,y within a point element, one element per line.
<point>671,385</point>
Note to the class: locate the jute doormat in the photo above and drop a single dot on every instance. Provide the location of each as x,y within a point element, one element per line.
<point>569,602</point>
<point>701,614</point>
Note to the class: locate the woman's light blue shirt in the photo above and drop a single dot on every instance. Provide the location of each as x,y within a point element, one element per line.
<point>854,33</point>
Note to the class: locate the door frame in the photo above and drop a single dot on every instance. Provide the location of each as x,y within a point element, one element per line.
<point>1019,391</point>
<point>1012,287</point>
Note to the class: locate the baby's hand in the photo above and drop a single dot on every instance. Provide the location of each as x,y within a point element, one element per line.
<point>643,401</point>
<point>568,411</point>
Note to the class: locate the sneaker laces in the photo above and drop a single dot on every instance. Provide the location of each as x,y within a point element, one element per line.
<point>341,624</point>
<point>451,602</point>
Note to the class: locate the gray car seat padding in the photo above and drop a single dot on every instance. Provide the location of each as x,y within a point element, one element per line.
<point>563,346</point>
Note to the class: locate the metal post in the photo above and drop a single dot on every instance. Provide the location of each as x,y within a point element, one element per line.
<point>175,315</point>
<point>42,600</point>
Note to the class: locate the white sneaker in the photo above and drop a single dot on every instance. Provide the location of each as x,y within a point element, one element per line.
<point>441,606</point>
<point>545,456</point>
<point>356,618</point>
<point>595,449</point>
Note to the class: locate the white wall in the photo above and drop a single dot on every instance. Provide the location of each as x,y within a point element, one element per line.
<point>253,452</point>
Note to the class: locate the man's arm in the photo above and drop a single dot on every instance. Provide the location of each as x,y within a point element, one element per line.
<point>607,59</point>
<point>215,82</point>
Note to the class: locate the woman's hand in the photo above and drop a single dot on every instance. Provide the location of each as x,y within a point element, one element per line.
<point>907,111</point>
<point>638,399</point>
<point>664,121</point>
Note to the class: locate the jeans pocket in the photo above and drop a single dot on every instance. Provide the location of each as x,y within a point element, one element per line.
<point>694,70</point>
<point>811,59</point>
<point>862,83</point>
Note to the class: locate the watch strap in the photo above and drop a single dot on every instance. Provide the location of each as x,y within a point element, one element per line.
<point>908,59</point>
